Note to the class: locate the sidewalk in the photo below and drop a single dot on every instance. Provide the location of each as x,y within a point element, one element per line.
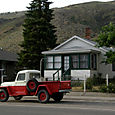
<point>80,96</point>
<point>90,96</point>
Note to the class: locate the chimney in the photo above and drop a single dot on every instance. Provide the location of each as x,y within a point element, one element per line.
<point>87,33</point>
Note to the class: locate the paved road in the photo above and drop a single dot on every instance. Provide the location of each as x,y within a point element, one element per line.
<point>66,107</point>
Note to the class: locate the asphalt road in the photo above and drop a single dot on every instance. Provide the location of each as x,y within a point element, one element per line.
<point>65,107</point>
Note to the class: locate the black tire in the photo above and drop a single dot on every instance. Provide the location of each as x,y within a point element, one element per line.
<point>4,96</point>
<point>57,97</point>
<point>43,96</point>
<point>32,85</point>
<point>18,97</point>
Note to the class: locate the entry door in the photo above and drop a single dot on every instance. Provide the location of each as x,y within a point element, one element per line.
<point>66,67</point>
<point>66,63</point>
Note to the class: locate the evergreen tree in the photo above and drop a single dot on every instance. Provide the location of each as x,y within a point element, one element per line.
<point>39,34</point>
<point>107,38</point>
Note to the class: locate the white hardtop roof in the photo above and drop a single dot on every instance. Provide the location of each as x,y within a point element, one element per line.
<point>29,71</point>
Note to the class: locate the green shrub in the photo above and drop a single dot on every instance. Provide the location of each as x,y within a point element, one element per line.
<point>103,89</point>
<point>110,88</point>
<point>89,84</point>
<point>97,79</point>
<point>76,83</point>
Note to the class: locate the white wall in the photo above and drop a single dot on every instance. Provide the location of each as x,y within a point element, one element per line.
<point>74,73</point>
<point>80,74</point>
<point>49,74</point>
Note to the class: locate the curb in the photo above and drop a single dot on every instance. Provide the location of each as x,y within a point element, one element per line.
<point>90,96</point>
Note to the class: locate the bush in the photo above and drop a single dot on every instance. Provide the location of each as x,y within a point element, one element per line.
<point>89,84</point>
<point>76,83</point>
<point>97,80</point>
<point>110,88</point>
<point>103,89</point>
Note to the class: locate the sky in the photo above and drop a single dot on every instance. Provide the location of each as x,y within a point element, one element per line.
<point>20,5</point>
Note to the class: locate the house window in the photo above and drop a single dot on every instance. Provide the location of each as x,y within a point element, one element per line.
<point>49,64</point>
<point>93,61</point>
<point>75,61</point>
<point>113,66</point>
<point>80,61</point>
<point>57,62</point>
<point>83,61</point>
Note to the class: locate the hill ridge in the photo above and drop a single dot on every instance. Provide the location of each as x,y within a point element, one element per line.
<point>69,21</point>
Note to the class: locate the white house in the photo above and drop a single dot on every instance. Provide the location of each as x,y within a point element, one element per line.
<point>76,58</point>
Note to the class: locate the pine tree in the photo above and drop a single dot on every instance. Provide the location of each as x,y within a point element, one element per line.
<point>39,34</point>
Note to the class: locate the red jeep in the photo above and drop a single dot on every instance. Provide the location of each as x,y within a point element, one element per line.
<point>29,83</point>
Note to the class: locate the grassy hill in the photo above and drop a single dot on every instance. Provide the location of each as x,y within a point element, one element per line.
<point>70,20</point>
<point>11,30</point>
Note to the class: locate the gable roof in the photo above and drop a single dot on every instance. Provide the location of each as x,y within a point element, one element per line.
<point>75,48</point>
<point>90,42</point>
<point>75,37</point>
<point>8,56</point>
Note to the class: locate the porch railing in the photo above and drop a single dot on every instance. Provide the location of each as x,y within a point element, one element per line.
<point>57,72</point>
<point>64,75</point>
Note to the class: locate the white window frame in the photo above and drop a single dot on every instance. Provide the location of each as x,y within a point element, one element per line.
<point>49,63</point>
<point>57,62</point>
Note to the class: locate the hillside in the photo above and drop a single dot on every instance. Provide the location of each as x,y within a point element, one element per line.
<point>70,20</point>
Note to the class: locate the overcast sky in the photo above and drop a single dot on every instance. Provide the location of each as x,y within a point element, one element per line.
<point>20,5</point>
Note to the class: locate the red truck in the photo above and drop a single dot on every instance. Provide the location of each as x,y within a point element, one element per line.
<point>29,83</point>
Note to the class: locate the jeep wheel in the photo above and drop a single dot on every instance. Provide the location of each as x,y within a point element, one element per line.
<point>3,95</point>
<point>18,97</point>
<point>57,97</point>
<point>43,96</point>
<point>32,85</point>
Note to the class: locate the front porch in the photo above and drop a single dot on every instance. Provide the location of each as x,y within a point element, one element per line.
<point>70,66</point>
<point>77,57</point>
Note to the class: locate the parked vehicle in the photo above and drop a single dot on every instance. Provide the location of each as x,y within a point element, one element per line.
<point>29,83</point>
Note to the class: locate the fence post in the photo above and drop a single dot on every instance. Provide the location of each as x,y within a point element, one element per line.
<point>85,84</point>
<point>107,81</point>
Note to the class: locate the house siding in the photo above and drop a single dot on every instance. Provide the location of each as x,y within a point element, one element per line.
<point>80,74</point>
<point>79,44</point>
<point>93,73</point>
<point>105,68</point>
